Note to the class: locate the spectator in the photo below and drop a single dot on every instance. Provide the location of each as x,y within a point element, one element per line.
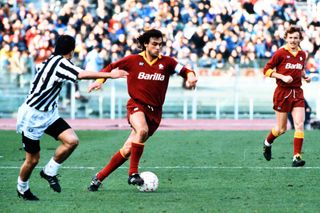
<point>206,24</point>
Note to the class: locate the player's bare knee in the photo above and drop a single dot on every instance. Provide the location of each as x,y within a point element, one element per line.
<point>72,142</point>
<point>299,126</point>
<point>143,133</point>
<point>33,161</point>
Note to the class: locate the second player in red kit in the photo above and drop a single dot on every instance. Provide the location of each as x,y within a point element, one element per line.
<point>287,66</point>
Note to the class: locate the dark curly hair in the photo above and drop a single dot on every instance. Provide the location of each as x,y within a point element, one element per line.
<point>145,37</point>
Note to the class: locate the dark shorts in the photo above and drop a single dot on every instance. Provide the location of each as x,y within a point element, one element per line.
<point>54,130</point>
<point>285,99</point>
<point>153,114</point>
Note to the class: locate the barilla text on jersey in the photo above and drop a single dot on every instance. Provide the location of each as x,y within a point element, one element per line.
<point>154,77</point>
<point>293,66</point>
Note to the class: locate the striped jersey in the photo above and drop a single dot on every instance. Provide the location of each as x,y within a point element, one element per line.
<point>148,80</point>
<point>47,84</point>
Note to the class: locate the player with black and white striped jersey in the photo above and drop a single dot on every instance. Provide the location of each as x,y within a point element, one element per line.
<point>49,80</point>
<point>39,114</point>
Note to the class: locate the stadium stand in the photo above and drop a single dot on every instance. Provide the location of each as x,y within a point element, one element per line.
<point>226,42</point>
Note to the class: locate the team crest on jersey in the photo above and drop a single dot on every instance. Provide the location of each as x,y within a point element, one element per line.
<point>141,63</point>
<point>161,66</point>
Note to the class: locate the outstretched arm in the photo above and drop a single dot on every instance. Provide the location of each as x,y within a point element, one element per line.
<point>115,73</point>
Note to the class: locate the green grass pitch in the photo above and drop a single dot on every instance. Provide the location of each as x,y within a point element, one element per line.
<point>199,171</point>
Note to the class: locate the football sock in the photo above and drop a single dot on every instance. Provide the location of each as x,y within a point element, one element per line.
<point>297,142</point>
<point>51,168</point>
<point>272,136</point>
<point>117,160</point>
<point>136,153</point>
<point>22,186</point>
<point>266,143</point>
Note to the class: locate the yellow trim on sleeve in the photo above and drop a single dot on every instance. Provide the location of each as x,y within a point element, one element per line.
<point>299,134</point>
<point>269,72</point>
<point>101,80</point>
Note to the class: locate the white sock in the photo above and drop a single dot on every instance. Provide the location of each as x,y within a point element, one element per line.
<point>267,143</point>
<point>51,168</point>
<point>22,186</point>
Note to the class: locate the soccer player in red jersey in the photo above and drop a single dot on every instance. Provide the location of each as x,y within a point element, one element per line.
<point>148,79</point>
<point>287,67</point>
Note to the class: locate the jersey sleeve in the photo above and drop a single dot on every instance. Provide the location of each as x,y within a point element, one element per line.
<point>68,71</point>
<point>272,63</point>
<point>123,63</point>
<point>181,69</point>
<point>304,58</point>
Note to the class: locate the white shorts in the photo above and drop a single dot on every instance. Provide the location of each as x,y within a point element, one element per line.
<point>33,122</point>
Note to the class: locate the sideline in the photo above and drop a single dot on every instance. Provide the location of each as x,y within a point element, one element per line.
<point>166,124</point>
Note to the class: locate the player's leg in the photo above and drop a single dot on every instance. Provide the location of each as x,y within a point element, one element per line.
<point>298,114</point>
<point>279,129</point>
<point>32,148</point>
<point>69,142</point>
<point>118,158</point>
<point>61,131</point>
<point>115,162</point>
<point>141,129</point>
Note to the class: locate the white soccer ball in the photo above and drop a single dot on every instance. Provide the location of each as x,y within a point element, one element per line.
<point>151,182</point>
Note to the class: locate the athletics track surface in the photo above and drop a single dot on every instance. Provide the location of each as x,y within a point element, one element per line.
<point>166,124</point>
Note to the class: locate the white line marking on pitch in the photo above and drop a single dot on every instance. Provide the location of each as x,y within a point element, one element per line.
<point>176,167</point>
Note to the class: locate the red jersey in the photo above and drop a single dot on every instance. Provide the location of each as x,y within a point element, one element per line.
<point>287,63</point>
<point>148,80</point>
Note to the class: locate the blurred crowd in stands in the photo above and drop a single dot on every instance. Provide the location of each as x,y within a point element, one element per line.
<point>212,37</point>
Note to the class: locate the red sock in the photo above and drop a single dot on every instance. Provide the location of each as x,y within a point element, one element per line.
<point>273,134</point>
<point>297,142</point>
<point>271,137</point>
<point>116,161</point>
<point>136,153</point>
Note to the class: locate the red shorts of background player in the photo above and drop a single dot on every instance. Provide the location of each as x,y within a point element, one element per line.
<point>153,114</point>
<point>285,99</point>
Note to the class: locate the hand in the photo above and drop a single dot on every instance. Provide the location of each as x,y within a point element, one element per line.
<point>307,79</point>
<point>117,73</point>
<point>94,86</point>
<point>191,81</point>
<point>287,79</point>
